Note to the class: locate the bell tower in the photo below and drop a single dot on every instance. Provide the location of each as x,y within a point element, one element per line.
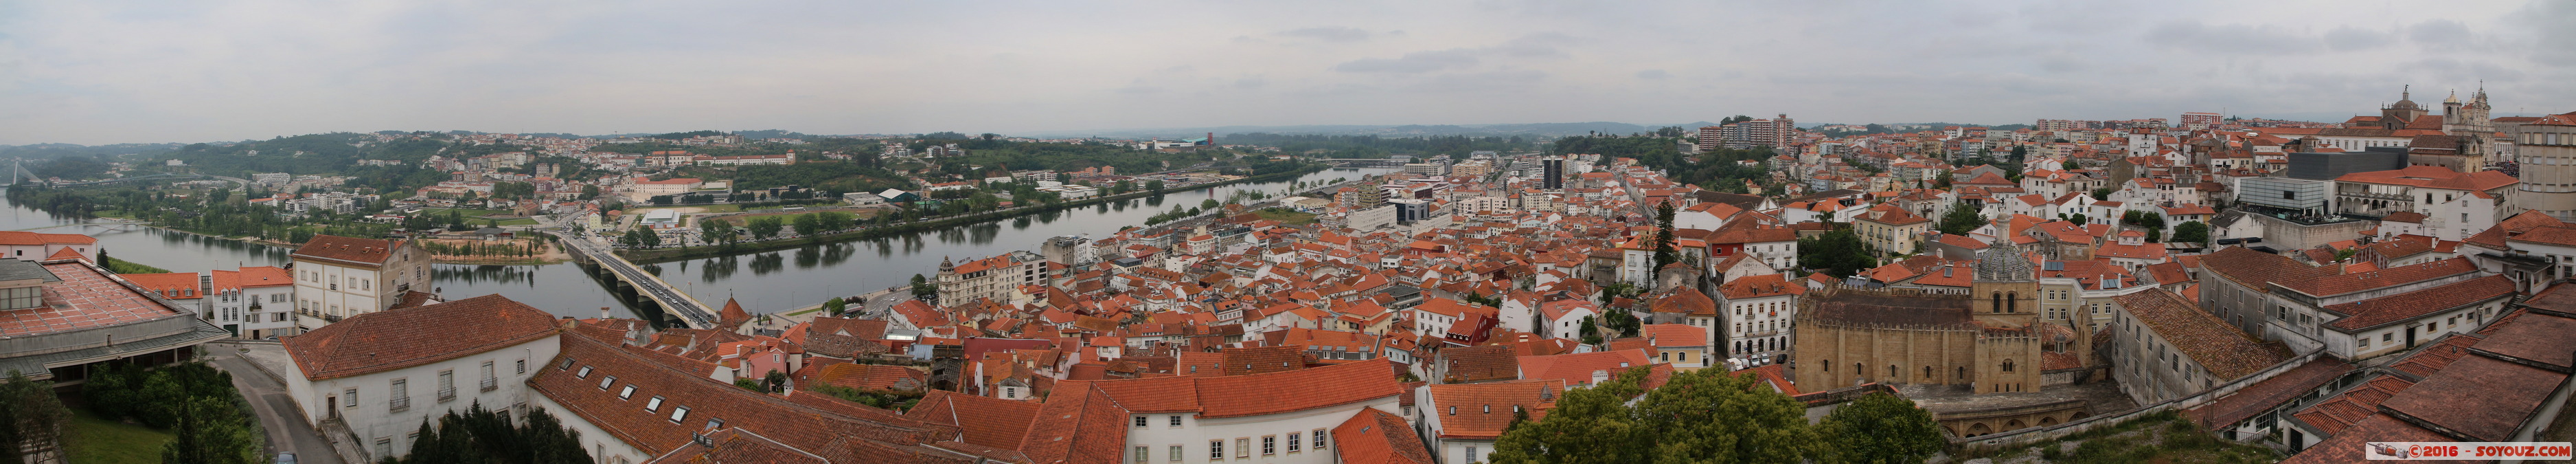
<point>2006,289</point>
<point>2396,116</point>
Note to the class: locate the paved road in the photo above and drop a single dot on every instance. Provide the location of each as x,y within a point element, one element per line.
<point>287,432</point>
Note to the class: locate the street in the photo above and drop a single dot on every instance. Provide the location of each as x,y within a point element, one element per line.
<point>287,432</point>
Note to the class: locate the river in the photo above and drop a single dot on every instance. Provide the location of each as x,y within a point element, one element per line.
<point>763,282</point>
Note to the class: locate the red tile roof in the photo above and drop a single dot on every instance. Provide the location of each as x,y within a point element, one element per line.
<point>1078,424</point>
<point>1481,411</point>
<point>2269,393</point>
<point>990,422</point>
<point>347,249</point>
<point>1577,369</point>
<point>2375,312</point>
<point>2342,284</point>
<point>872,377</point>
<point>839,430</point>
<point>2505,395</point>
<point>86,297</point>
<point>1377,437</point>
<point>175,285</point>
<point>1675,335</point>
<point>2210,342</point>
<point>1257,394</point>
<point>388,340</point>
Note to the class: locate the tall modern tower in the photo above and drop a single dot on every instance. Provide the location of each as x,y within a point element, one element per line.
<point>1552,170</point>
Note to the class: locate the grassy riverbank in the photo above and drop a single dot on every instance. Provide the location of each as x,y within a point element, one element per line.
<point>676,254</point>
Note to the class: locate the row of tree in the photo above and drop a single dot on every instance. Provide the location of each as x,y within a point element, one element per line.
<point>1713,416</point>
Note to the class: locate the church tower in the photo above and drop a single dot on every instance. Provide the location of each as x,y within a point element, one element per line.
<point>2006,289</point>
<point>2468,118</point>
<point>2394,117</point>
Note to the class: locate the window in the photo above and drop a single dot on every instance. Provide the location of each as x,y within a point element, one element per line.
<point>567,364</point>
<point>1140,422</point>
<point>1471,453</point>
<point>22,297</point>
<point>352,396</point>
<point>1319,439</point>
<point>653,404</point>
<point>1216,449</point>
<point>604,382</point>
<point>523,366</point>
<point>1269,445</point>
<point>678,413</point>
<point>628,392</point>
<point>585,372</point>
<point>1142,452</point>
<point>2387,336</point>
<point>385,446</point>
<point>1176,453</point>
<point>1292,442</point>
<point>446,384</point>
<point>399,398</point>
<point>1242,448</point>
<point>1176,420</point>
<point>487,369</point>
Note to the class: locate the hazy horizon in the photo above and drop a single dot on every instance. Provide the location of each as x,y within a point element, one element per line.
<point>97,74</point>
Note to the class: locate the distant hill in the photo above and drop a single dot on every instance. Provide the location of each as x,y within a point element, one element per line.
<point>58,150</point>
<point>1543,130</point>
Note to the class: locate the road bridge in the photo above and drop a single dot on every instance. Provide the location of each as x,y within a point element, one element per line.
<point>1363,162</point>
<point>677,307</point>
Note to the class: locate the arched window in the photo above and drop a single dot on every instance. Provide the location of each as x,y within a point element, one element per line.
<point>1963,372</point>
<point>1829,366</point>
<point>1999,303</point>
<point>2012,302</point>
<point>2008,365</point>
<point>1891,372</point>
<point>1927,372</point>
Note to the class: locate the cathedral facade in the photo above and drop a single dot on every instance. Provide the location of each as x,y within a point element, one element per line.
<point>1990,339</point>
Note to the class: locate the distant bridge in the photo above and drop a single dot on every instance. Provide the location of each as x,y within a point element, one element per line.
<point>678,308</point>
<point>1364,162</point>
<point>154,177</point>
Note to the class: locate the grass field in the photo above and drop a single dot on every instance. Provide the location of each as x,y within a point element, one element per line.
<point>95,440</point>
<point>1286,216</point>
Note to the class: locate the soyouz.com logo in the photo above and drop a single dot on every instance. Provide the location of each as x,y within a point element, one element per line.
<point>2458,450</point>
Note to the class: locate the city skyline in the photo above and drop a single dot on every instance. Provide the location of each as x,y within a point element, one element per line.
<point>94,74</point>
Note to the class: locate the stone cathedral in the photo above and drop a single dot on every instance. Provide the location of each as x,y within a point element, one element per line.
<point>1990,339</point>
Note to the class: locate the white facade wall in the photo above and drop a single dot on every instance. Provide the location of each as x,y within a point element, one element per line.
<point>275,310</point>
<point>1242,436</point>
<point>372,415</point>
<point>1760,327</point>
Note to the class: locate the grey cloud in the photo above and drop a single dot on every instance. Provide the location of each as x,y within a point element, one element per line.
<point>2345,39</point>
<point>1329,34</point>
<point>2231,38</point>
<point>1416,62</point>
<point>1250,83</point>
<point>2443,33</point>
<point>1653,74</point>
<point>1484,80</point>
<point>2555,42</point>
<point>1539,45</point>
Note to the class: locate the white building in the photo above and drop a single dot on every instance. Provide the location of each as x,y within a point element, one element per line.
<point>1759,313</point>
<point>340,277</point>
<point>253,302</point>
<point>1463,420</point>
<point>379,376</point>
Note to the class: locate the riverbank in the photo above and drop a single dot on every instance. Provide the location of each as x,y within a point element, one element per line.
<point>868,233</point>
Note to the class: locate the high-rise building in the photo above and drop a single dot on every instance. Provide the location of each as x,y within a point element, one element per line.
<point>2198,121</point>
<point>1774,132</point>
<point>1552,176</point>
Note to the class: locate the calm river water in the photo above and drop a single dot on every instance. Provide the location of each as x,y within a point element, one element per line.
<point>764,282</point>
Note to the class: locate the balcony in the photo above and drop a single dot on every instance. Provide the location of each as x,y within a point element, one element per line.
<point>400,404</point>
<point>491,384</point>
<point>446,394</point>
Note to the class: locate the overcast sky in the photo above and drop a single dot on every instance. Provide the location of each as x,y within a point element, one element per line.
<point>93,72</point>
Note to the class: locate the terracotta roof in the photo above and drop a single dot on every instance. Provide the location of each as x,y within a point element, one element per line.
<point>1675,335</point>
<point>1078,424</point>
<point>2210,342</point>
<point>1758,286</point>
<point>1377,437</point>
<point>2269,393</point>
<point>737,445</point>
<point>1256,394</point>
<point>347,249</point>
<point>2340,284</point>
<point>1481,363</point>
<point>2535,337</point>
<point>81,296</point>
<point>839,430</point>
<point>1685,300</point>
<point>175,285</point>
<point>1577,369</point>
<point>388,340</point>
<point>2375,312</point>
<point>1481,411</point>
<point>2502,396</point>
<point>2257,270</point>
<point>872,377</point>
<point>991,422</point>
<point>2353,446</point>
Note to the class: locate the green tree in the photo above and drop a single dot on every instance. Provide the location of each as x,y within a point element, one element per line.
<point>30,414</point>
<point>2191,232</point>
<point>1588,426</point>
<point>808,225</point>
<point>714,230</point>
<point>1879,429</point>
<point>835,306</point>
<point>2102,194</point>
<point>1155,186</point>
<point>1837,253</point>
<point>764,227</point>
<point>1711,416</point>
<point>212,430</point>
<point>1664,255</point>
<point>1210,203</point>
<point>480,435</point>
<point>1591,331</point>
<point>923,289</point>
<point>1962,218</point>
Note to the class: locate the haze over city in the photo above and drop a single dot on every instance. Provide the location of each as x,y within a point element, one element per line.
<point>96,73</point>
